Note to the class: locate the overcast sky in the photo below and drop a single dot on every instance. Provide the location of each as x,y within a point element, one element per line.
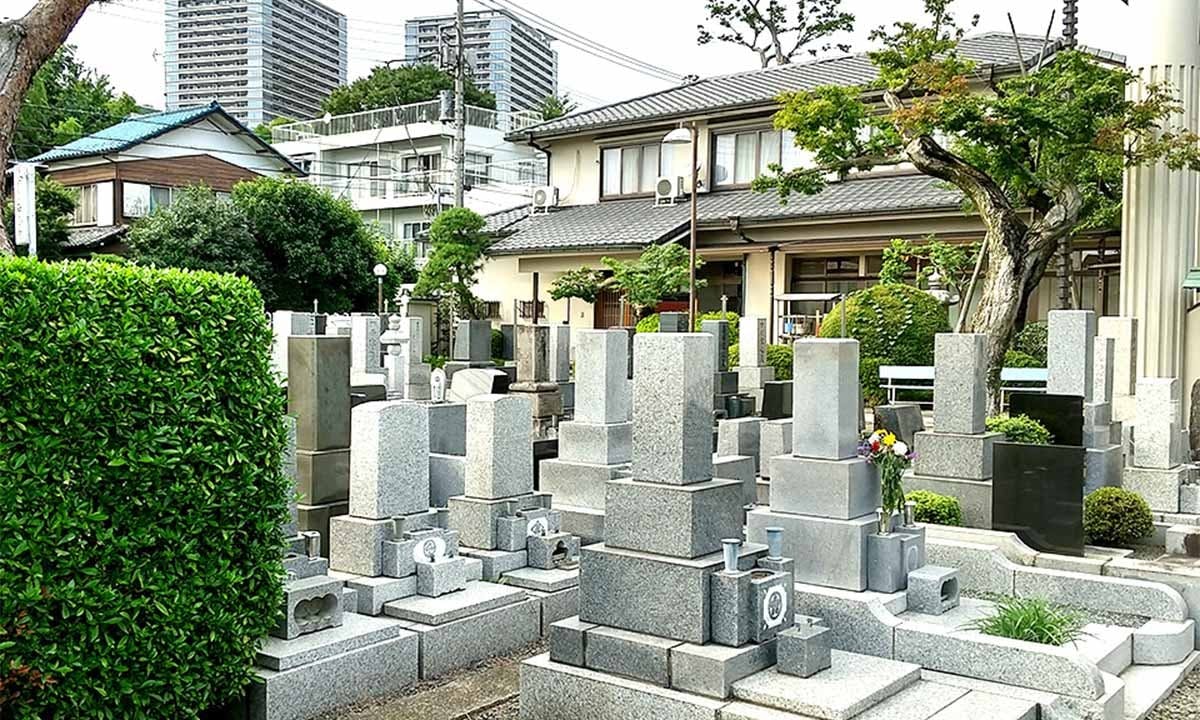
<point>124,38</point>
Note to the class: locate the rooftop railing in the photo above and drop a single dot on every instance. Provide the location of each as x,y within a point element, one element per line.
<point>426,112</point>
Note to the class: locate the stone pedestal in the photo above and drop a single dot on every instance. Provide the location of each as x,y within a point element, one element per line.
<point>319,399</point>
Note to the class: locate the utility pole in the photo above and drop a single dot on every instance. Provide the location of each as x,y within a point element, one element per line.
<point>460,107</point>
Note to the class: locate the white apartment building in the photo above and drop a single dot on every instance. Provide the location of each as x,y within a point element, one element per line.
<point>260,59</point>
<point>511,59</point>
<point>396,166</point>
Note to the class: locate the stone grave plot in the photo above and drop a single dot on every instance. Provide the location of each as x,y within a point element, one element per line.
<point>472,346</point>
<point>323,655</point>
<point>596,446</point>
<point>956,457</point>
<point>728,399</point>
<point>752,370</point>
<point>678,616</point>
<point>533,377</point>
<point>1160,471</point>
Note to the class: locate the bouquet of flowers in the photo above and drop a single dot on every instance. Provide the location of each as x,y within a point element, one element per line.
<point>892,457</point>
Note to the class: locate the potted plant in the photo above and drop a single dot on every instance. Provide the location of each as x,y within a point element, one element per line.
<point>891,457</point>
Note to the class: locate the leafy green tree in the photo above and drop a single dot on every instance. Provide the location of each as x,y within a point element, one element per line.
<point>388,87</point>
<point>659,272</point>
<point>954,263</point>
<point>555,106</point>
<point>1047,140</point>
<point>296,242</point>
<point>775,30</point>
<point>458,243</point>
<point>582,283</point>
<point>55,204</point>
<point>65,101</point>
<point>263,130</point>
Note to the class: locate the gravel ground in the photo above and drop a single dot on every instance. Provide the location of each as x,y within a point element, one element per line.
<point>1100,617</point>
<point>507,711</point>
<point>1147,552</point>
<point>1183,704</point>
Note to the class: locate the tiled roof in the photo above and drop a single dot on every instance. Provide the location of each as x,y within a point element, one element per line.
<point>761,87</point>
<point>90,238</point>
<point>638,223</point>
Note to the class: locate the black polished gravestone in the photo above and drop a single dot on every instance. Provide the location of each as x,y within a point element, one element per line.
<point>1061,414</point>
<point>1037,493</point>
<point>904,420</point>
<point>777,399</point>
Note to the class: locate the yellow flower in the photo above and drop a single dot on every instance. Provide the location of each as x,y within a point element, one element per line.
<point>889,439</point>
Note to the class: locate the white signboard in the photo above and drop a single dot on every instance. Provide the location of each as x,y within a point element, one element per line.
<point>25,205</point>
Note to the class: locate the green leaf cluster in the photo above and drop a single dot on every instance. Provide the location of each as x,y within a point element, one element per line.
<point>661,271</point>
<point>954,263</point>
<point>1116,517</point>
<point>55,204</point>
<point>141,491</point>
<point>66,101</point>
<point>392,86</point>
<point>1032,620</point>
<point>580,283</point>
<point>263,130</point>
<point>458,239</point>
<point>1032,340</point>
<point>937,509</point>
<point>295,242</point>
<point>1020,429</point>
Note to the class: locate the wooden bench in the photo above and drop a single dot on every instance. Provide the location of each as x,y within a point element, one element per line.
<point>894,378</point>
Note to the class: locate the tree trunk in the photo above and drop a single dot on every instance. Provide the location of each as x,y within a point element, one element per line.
<point>26,43</point>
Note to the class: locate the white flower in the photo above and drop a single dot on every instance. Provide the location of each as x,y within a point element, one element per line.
<point>875,437</point>
<point>900,448</point>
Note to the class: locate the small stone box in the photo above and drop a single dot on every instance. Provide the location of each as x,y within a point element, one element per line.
<point>773,610</point>
<point>803,650</point>
<point>435,579</point>
<point>547,552</point>
<point>933,590</point>
<point>729,616</point>
<point>311,604</point>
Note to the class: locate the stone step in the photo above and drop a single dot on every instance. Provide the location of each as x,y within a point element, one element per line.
<point>1160,642</point>
<point>916,702</point>
<point>852,685</point>
<point>1148,685</point>
<point>1108,646</point>
<point>976,705</point>
<point>475,598</point>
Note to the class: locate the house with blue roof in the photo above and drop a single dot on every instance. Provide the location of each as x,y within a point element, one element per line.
<point>124,172</point>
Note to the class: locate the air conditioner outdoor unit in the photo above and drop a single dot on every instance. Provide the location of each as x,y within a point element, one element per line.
<point>544,198</point>
<point>667,190</point>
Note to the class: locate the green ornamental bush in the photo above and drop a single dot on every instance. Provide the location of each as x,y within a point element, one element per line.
<point>935,508</point>
<point>650,323</point>
<point>1032,620</point>
<point>894,325</point>
<point>1018,359</point>
<point>778,357</point>
<point>498,343</point>
<point>1116,517</point>
<point>1020,429</point>
<point>1031,341</point>
<point>140,489</point>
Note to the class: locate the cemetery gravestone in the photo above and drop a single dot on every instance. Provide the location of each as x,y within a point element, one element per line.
<point>753,371</point>
<point>1157,472</point>
<point>1038,494</point>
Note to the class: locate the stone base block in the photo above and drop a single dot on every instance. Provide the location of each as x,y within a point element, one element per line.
<point>1099,413</point>
<point>764,492</point>
<point>553,550</point>
<point>595,443</point>
<point>556,606</point>
<point>356,544</point>
<point>366,658</point>
<point>950,455</point>
<point>827,551</point>
<point>568,641</point>
<point>447,478</point>
<point>711,670</point>
<point>683,521</point>
<point>741,436</point>
<point>1102,467</point>
<point>852,684</point>
<point>497,562</point>
<point>323,476</point>
<point>1097,436</point>
<point>309,604</point>
<point>556,691</point>
<point>315,518</point>
<point>1189,499</point>
<point>545,402</point>
<point>1160,488</point>
<point>890,558</point>
<point>435,579</point>
<point>463,643</point>
<point>372,593</point>
<point>739,468</point>
<point>804,650</point>
<point>775,439</point>
<point>754,377</point>
<point>652,593</point>
<point>730,621</point>
<point>475,518</point>
<point>578,484</point>
<point>1163,643</point>
<point>475,598</point>
<point>841,489</point>
<point>631,654</point>
<point>932,590</point>
<point>974,496</point>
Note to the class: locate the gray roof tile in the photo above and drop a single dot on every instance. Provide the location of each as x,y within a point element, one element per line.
<point>761,87</point>
<point>637,223</point>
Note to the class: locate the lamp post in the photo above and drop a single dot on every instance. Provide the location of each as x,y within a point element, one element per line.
<point>380,271</point>
<point>682,136</point>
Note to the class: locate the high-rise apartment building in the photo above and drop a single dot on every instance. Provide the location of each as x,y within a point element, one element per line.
<point>260,59</point>
<point>508,57</point>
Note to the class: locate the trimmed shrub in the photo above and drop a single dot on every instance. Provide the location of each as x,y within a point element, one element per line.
<point>894,325</point>
<point>650,323</point>
<point>1018,359</point>
<point>780,358</point>
<point>936,509</point>
<point>498,343</point>
<point>1032,620</point>
<point>1020,429</point>
<point>141,495</point>
<point>1116,517</point>
<point>1031,341</point>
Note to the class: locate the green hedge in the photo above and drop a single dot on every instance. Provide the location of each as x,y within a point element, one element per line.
<point>1020,429</point>
<point>935,508</point>
<point>778,357</point>
<point>650,323</point>
<point>140,489</point>
<point>1116,517</point>
<point>895,324</point>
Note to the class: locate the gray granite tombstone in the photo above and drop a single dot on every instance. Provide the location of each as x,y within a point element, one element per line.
<point>904,420</point>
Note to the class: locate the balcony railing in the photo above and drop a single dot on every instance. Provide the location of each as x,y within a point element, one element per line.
<point>364,182</point>
<point>426,112</point>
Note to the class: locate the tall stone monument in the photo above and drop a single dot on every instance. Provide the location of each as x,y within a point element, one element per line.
<point>1124,333</point>
<point>285,324</point>
<point>597,445</point>
<point>533,376</point>
<point>472,346</point>
<point>726,399</point>
<point>752,370</point>
<point>1158,471</point>
<point>366,352</point>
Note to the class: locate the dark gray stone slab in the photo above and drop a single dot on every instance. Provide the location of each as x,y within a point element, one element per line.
<point>319,391</point>
<point>683,521</point>
<point>777,399</point>
<point>631,654</point>
<point>323,476</point>
<point>1061,414</point>
<point>903,420</point>
<point>673,322</point>
<point>1037,492</point>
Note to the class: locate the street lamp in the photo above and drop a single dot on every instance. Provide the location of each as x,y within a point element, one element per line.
<point>380,271</point>
<point>683,136</point>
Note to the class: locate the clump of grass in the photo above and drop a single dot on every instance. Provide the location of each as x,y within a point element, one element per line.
<point>1032,620</point>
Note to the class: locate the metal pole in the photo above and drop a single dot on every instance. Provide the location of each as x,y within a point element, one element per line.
<point>379,295</point>
<point>692,240</point>
<point>460,108</point>
<point>771,323</point>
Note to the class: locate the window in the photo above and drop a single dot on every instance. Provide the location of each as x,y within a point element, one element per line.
<point>416,171</point>
<point>410,235</point>
<point>139,199</point>
<point>743,156</point>
<point>85,206</point>
<point>631,170</point>
<point>478,169</point>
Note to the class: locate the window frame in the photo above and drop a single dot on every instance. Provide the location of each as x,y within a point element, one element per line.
<point>94,191</point>
<point>620,166</point>
<point>733,132</point>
